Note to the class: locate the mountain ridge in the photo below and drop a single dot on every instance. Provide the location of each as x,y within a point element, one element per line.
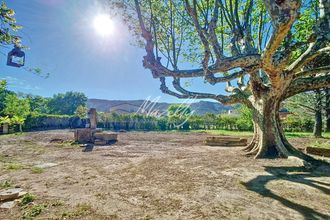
<point>132,106</point>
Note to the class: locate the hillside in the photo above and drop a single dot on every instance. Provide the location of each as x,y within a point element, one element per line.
<point>131,106</point>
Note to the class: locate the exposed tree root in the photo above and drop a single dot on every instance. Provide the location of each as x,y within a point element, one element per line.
<point>283,149</point>
<point>252,152</point>
<point>250,146</point>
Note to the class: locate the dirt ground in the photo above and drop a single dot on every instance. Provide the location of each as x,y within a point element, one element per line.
<point>157,176</point>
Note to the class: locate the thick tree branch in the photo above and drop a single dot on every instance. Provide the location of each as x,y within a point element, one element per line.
<point>307,84</point>
<point>315,71</point>
<point>319,39</point>
<point>192,11</point>
<point>185,94</point>
<point>158,70</point>
<point>309,55</point>
<point>226,64</point>
<point>212,36</point>
<point>283,14</point>
<point>213,80</point>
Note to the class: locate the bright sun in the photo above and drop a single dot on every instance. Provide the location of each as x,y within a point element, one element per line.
<point>103,25</point>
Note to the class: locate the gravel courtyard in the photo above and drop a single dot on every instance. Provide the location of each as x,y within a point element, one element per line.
<point>152,175</point>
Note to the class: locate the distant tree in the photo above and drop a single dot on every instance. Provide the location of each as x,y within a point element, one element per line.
<point>38,104</point>
<point>310,104</point>
<point>4,120</point>
<point>4,92</point>
<point>245,121</point>
<point>162,123</point>
<point>17,109</point>
<point>210,120</point>
<point>196,122</point>
<point>178,116</point>
<point>81,111</point>
<point>228,122</point>
<point>67,103</point>
<point>3,85</point>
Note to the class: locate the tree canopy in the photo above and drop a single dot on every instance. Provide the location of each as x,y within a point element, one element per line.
<point>66,103</point>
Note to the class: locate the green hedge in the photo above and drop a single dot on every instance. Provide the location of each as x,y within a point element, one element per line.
<point>297,123</point>
<point>45,121</point>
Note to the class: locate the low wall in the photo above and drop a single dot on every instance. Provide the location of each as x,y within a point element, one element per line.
<point>325,152</point>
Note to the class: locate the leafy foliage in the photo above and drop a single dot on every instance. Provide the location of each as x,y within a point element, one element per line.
<point>8,26</point>
<point>67,103</point>
<point>178,115</point>
<point>298,123</point>
<point>15,106</point>
<point>245,121</point>
<point>14,110</point>
<point>81,111</point>
<point>38,104</point>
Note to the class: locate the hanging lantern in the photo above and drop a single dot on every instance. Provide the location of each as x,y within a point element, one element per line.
<point>16,57</point>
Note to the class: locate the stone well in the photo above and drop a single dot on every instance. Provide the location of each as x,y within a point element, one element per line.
<point>93,135</point>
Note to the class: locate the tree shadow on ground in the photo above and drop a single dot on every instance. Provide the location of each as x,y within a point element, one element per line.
<point>297,175</point>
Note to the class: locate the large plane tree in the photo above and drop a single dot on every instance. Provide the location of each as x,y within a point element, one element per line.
<point>262,50</point>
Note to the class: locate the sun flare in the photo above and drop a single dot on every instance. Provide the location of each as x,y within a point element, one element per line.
<point>103,25</point>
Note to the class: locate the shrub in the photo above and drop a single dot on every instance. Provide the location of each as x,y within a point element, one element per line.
<point>27,198</point>
<point>33,212</point>
<point>296,123</point>
<point>44,121</point>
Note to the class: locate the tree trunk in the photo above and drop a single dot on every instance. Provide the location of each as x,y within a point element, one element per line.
<point>269,140</point>
<point>327,110</point>
<point>317,132</point>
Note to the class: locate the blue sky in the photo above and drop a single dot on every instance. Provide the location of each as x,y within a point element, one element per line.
<point>63,42</point>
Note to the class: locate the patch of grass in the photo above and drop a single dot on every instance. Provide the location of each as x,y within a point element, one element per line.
<point>56,203</point>
<point>14,166</point>
<point>298,134</point>
<point>27,198</point>
<point>67,144</point>
<point>320,143</point>
<point>33,212</point>
<point>82,209</point>
<point>37,170</point>
<point>325,135</point>
<point>6,184</point>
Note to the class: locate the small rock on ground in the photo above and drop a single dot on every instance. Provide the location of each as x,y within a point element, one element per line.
<point>10,194</point>
<point>46,165</point>
<point>8,205</point>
